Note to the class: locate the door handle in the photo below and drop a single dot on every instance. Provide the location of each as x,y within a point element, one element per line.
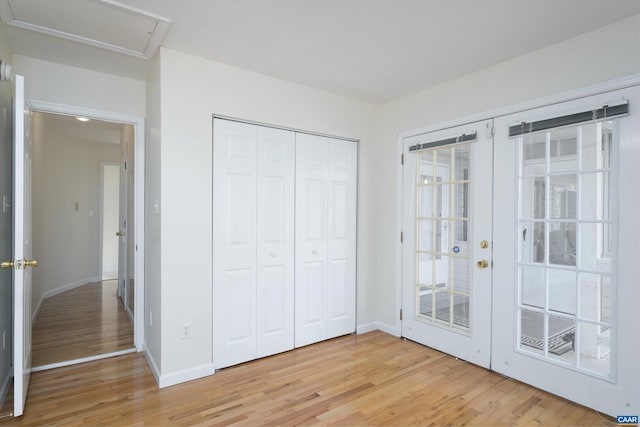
<point>20,264</point>
<point>119,233</point>
<point>483,263</point>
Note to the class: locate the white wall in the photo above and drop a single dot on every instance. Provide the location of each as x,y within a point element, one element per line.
<point>63,84</point>
<point>66,209</point>
<point>152,219</point>
<point>607,53</point>
<point>192,90</point>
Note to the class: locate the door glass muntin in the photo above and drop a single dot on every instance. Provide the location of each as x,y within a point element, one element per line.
<point>443,267</point>
<point>564,260</point>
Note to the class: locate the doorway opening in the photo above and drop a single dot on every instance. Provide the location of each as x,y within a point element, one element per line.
<point>81,227</point>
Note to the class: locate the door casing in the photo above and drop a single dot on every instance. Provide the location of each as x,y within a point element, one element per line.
<point>139,149</point>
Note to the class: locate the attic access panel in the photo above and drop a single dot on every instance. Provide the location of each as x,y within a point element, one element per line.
<point>102,23</point>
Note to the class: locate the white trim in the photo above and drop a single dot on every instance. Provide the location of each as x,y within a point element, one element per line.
<point>139,149</point>
<point>6,384</point>
<point>596,89</point>
<point>367,327</point>
<point>155,370</point>
<point>391,330</point>
<point>599,88</point>
<point>61,289</point>
<point>377,326</point>
<point>186,375</point>
<point>82,360</point>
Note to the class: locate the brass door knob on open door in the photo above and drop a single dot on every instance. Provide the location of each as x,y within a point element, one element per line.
<point>483,263</point>
<point>119,233</point>
<point>30,263</point>
<point>6,264</point>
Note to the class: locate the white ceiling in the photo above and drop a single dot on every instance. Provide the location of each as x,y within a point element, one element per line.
<point>371,50</point>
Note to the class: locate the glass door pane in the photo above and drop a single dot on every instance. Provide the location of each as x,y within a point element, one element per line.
<point>564,250</point>
<point>442,248</point>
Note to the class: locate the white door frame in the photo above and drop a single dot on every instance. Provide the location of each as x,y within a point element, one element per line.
<point>139,149</point>
<point>607,86</point>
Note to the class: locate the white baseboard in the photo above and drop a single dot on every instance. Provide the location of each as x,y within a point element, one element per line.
<point>6,384</point>
<point>152,364</point>
<point>391,330</point>
<point>82,360</point>
<point>110,275</point>
<point>367,327</point>
<point>377,326</point>
<point>186,375</point>
<point>61,289</point>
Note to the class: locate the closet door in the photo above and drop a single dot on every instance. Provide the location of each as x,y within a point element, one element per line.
<point>326,171</point>
<point>234,242</point>
<point>275,241</point>
<point>312,174</point>
<point>341,238</point>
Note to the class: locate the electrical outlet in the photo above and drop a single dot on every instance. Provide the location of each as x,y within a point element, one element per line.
<point>186,330</point>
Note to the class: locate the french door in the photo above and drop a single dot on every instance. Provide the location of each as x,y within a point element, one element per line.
<point>446,240</point>
<point>565,245</point>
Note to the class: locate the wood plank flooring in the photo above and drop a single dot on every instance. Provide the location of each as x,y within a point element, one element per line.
<point>370,379</point>
<point>86,321</point>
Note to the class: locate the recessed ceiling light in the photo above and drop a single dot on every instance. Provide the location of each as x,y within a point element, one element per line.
<point>82,119</point>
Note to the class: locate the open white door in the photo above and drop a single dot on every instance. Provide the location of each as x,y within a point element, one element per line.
<point>565,294</point>
<point>22,249</point>
<point>447,241</point>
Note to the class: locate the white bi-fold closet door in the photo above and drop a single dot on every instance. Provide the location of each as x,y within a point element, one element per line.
<point>284,229</point>
<point>326,173</point>
<point>253,243</point>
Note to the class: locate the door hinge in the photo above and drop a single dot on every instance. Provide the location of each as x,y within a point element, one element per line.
<point>400,314</point>
<point>125,165</point>
<point>402,159</point>
<point>401,237</point>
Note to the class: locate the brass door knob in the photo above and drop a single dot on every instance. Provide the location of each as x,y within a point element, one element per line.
<point>119,233</point>
<point>483,263</point>
<point>6,264</point>
<point>484,244</point>
<point>30,263</point>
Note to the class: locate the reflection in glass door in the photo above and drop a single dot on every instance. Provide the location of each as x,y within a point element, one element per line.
<point>442,291</point>
<point>564,266</point>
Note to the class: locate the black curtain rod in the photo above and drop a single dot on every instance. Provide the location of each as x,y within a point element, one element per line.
<point>572,119</point>
<point>458,139</point>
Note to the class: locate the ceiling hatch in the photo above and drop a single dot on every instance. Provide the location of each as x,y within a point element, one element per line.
<point>102,23</point>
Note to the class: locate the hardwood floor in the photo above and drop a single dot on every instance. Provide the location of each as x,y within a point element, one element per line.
<point>86,321</point>
<point>370,379</point>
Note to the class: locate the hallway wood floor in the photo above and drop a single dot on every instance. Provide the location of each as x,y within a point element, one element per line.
<point>370,379</point>
<point>86,321</point>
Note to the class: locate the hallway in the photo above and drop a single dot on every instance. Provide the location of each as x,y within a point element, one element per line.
<point>86,321</point>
